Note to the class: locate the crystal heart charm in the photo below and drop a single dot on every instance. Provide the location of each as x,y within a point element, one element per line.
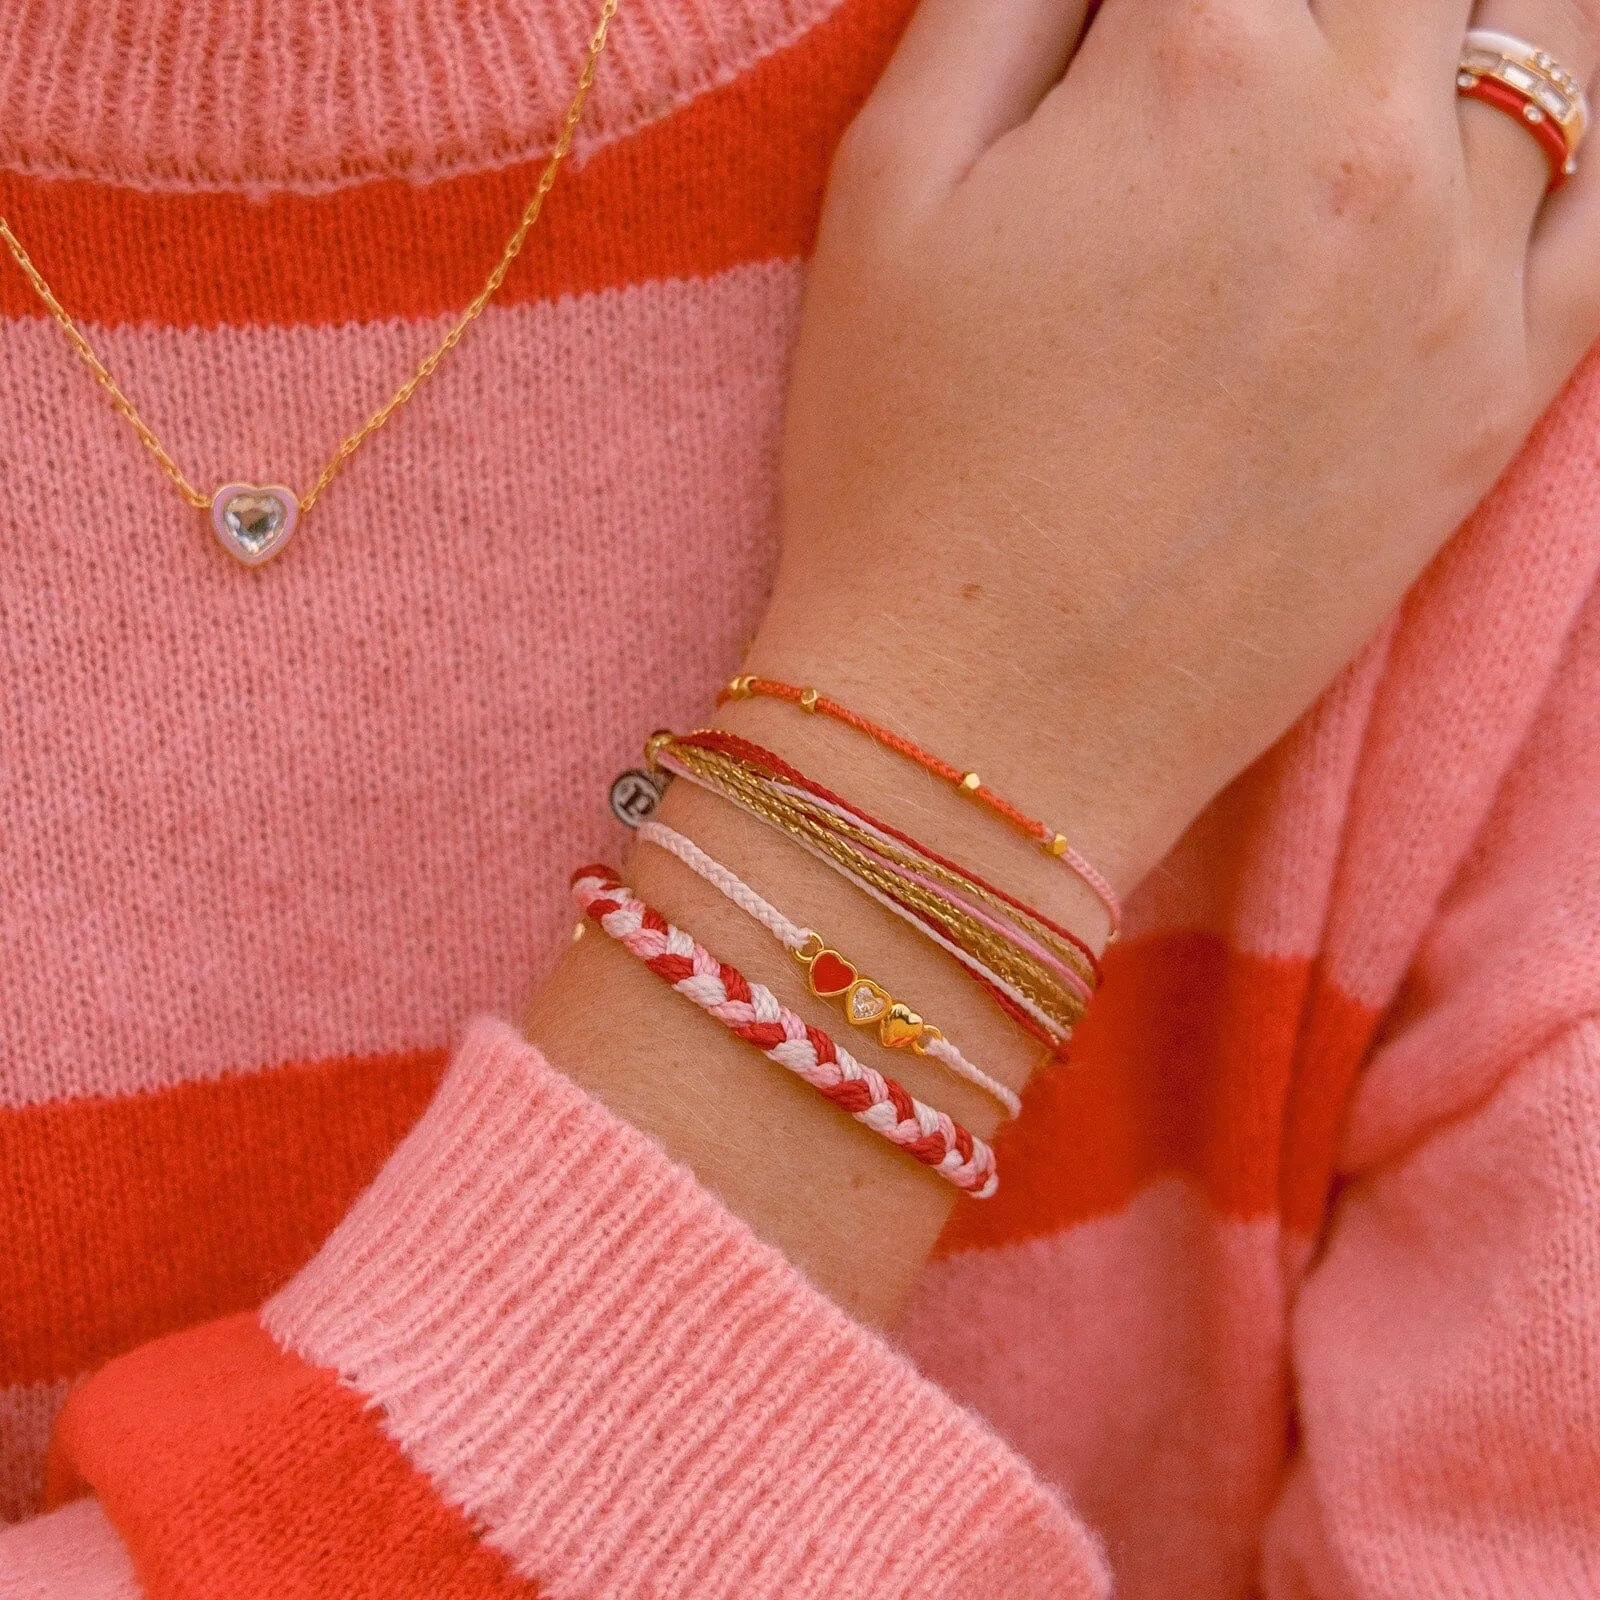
<point>252,523</point>
<point>865,1003</point>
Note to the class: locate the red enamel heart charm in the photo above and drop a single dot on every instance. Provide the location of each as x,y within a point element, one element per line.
<point>831,974</point>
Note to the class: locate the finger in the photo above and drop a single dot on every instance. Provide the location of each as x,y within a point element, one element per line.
<point>967,72</point>
<point>1506,165</point>
<point>1420,39</point>
<point>1563,277</point>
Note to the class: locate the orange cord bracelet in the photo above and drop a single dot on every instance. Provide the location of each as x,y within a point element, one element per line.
<point>748,685</point>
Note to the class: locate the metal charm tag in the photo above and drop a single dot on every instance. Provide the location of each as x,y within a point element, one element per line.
<point>634,797</point>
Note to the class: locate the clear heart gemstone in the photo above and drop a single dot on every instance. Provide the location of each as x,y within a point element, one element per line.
<point>253,519</point>
<point>253,523</point>
<point>865,1003</point>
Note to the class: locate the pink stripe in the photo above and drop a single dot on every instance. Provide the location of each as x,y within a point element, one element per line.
<point>1431,767</point>
<point>348,787</point>
<point>629,1392</point>
<point>1141,1368</point>
<point>1536,877</point>
<point>73,1554</point>
<point>1447,1356</point>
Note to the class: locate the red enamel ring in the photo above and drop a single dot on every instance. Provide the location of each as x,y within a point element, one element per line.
<point>1550,134</point>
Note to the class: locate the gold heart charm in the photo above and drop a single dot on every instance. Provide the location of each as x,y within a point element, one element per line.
<point>902,1026</point>
<point>865,1003</point>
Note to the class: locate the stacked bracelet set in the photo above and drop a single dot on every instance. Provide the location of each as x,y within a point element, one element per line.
<point>1041,974</point>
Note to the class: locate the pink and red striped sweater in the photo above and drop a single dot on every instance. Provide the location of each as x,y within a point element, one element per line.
<point>1292,1290</point>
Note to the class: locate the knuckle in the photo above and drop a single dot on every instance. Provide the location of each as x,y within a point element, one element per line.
<point>1201,46</point>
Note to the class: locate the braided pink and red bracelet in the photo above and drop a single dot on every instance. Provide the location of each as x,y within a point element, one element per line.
<point>754,1014</point>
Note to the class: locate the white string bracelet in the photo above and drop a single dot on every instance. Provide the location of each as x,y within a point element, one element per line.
<point>831,977</point>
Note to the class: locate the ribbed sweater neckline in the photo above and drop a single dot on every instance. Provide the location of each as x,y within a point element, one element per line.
<point>310,95</point>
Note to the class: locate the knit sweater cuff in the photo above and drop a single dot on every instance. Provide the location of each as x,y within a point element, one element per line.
<point>72,1554</point>
<point>537,1337</point>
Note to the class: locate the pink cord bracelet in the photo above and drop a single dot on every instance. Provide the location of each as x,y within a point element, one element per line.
<point>865,1002</point>
<point>754,1014</point>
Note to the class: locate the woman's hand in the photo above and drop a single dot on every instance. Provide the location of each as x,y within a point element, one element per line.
<point>1127,405</point>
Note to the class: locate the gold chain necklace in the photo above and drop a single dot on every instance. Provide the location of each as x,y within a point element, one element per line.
<point>254,522</point>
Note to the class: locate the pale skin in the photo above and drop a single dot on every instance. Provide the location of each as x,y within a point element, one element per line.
<point>1142,369</point>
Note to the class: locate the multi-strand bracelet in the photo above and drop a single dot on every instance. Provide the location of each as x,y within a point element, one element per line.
<point>1050,840</point>
<point>754,1014</point>
<point>1039,973</point>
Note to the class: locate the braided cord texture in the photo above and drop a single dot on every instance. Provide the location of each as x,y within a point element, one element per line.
<point>754,1014</point>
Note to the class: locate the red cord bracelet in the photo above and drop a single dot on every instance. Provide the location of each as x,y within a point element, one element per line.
<point>742,749</point>
<point>752,1012</point>
<point>1053,844</point>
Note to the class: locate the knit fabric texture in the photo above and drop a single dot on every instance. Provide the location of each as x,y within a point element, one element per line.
<point>1291,1290</point>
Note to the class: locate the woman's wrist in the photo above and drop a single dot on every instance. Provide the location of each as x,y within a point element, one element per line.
<point>855,1214</point>
<point>948,674</point>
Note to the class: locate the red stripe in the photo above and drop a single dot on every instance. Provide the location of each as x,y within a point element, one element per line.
<point>124,1219</point>
<point>234,1471</point>
<point>1197,1061</point>
<point>1335,1037</point>
<point>735,176</point>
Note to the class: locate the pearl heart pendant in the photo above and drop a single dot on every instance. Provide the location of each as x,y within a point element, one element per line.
<point>252,523</point>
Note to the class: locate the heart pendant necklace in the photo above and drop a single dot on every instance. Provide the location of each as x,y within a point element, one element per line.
<point>254,522</point>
